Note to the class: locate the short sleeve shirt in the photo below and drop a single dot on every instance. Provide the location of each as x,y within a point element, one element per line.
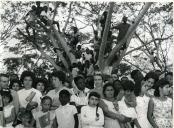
<point>65,116</point>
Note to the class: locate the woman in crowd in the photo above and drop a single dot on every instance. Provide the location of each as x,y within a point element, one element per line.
<point>160,107</point>
<point>141,108</point>
<point>15,85</point>
<point>29,96</point>
<point>151,78</point>
<point>41,85</point>
<point>110,107</point>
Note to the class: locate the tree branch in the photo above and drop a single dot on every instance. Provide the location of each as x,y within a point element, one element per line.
<point>41,50</point>
<point>135,66</point>
<point>69,15</point>
<point>145,44</point>
<point>105,35</point>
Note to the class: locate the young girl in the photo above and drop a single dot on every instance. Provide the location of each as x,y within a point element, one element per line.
<point>9,110</point>
<point>160,107</point>
<point>92,115</point>
<point>142,106</point>
<point>44,117</point>
<point>66,114</point>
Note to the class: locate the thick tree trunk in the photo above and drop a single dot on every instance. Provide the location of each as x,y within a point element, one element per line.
<point>105,35</point>
<point>128,35</point>
<point>64,45</point>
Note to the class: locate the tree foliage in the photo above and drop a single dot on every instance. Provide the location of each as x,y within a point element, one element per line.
<point>152,34</point>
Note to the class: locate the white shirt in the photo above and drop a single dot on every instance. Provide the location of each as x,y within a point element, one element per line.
<point>55,95</point>
<point>80,98</point>
<point>23,94</point>
<point>65,116</point>
<point>44,119</point>
<point>89,118</point>
<point>125,110</point>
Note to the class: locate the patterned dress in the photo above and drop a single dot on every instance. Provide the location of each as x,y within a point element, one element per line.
<point>163,112</point>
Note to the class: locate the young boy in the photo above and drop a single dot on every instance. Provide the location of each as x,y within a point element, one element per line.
<point>66,114</point>
<point>26,119</point>
<point>44,118</point>
<point>92,115</point>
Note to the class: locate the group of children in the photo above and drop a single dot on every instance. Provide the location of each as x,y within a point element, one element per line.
<point>115,104</point>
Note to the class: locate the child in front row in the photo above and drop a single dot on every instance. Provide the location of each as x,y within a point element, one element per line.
<point>44,118</point>
<point>92,115</point>
<point>66,114</point>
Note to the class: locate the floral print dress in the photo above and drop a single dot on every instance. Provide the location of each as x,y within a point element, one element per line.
<point>163,112</point>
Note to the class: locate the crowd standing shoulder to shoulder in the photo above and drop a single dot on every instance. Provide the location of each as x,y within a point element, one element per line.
<point>84,97</point>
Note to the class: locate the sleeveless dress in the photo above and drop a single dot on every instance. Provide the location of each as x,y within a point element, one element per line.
<point>7,113</point>
<point>163,112</point>
<point>110,123</point>
<point>141,109</point>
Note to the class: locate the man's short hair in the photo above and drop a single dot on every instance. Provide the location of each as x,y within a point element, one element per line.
<point>59,74</point>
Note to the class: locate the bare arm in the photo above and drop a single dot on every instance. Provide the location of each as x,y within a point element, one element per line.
<point>12,117</point>
<point>150,112</point>
<point>136,123</point>
<point>111,114</point>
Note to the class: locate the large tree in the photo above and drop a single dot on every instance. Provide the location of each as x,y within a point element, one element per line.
<point>150,25</point>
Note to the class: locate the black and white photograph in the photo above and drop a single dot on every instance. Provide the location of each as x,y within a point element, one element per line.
<point>86,64</point>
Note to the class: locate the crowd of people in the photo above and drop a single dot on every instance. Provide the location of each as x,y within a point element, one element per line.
<point>85,98</point>
<point>99,102</point>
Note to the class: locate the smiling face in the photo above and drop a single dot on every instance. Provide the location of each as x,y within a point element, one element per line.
<point>150,82</point>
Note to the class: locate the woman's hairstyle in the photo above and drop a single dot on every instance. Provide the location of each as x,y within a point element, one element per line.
<point>98,74</point>
<point>117,85</point>
<point>28,74</point>
<point>41,80</point>
<point>108,85</point>
<point>95,94</point>
<point>15,81</point>
<point>128,85</point>
<point>46,98</point>
<point>152,75</point>
<point>160,84</point>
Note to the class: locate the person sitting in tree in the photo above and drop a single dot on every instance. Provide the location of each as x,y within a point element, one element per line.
<point>38,9</point>
<point>30,19</point>
<point>123,28</point>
